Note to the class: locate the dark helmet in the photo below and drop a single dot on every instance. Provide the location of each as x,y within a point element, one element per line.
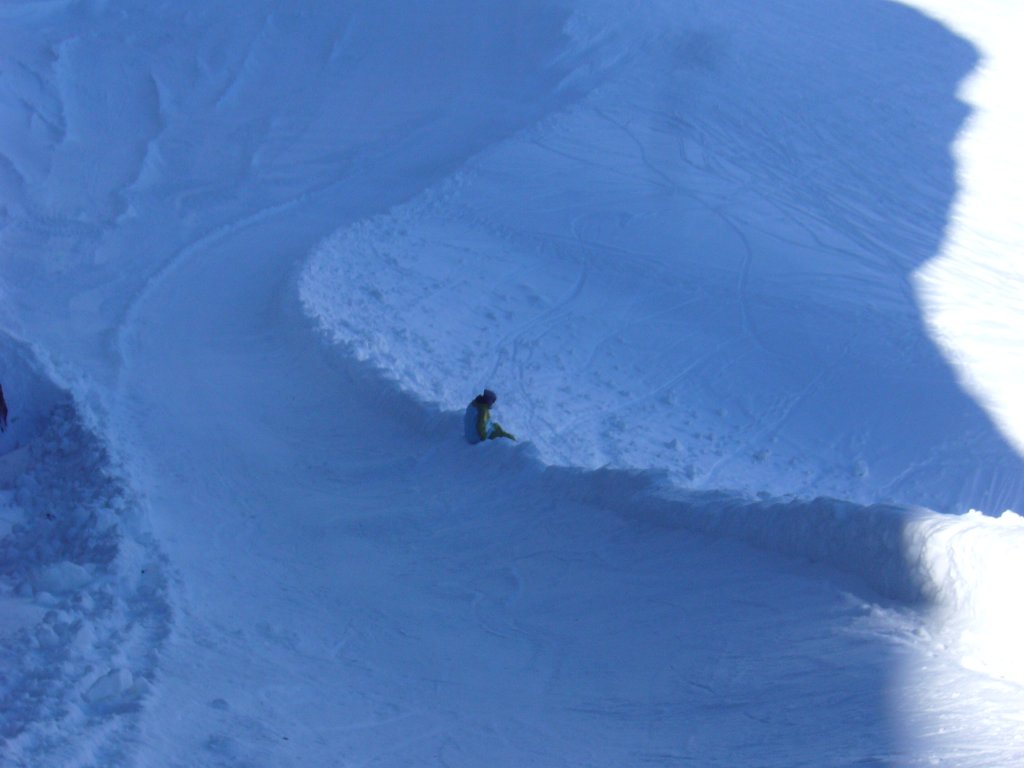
<point>489,397</point>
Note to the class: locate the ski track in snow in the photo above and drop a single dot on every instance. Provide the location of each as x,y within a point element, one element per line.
<point>332,577</point>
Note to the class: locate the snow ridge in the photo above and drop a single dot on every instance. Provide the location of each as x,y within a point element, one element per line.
<point>962,567</point>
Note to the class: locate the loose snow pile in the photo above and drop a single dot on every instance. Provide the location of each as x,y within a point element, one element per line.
<point>82,596</point>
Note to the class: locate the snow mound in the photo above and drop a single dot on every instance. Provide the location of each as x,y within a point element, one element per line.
<point>81,587</point>
<point>30,396</point>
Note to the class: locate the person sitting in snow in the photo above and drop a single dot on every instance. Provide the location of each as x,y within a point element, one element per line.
<point>479,426</point>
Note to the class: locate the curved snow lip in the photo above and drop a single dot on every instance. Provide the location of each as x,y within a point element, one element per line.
<point>961,569</point>
<point>82,586</point>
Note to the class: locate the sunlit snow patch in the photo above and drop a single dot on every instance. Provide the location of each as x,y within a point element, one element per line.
<point>972,293</point>
<point>966,570</point>
<point>972,567</point>
<point>972,296</point>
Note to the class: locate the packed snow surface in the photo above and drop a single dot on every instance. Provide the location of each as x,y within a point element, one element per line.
<point>744,275</point>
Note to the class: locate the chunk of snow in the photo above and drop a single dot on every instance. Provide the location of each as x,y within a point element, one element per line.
<point>61,578</point>
<point>109,688</point>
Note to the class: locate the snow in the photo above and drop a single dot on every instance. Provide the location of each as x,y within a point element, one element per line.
<point>74,593</point>
<point>742,275</point>
<point>971,299</point>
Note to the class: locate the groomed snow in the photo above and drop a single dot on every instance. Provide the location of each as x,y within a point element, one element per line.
<point>742,275</point>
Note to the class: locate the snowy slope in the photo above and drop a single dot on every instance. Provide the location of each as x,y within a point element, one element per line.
<point>706,265</point>
<point>714,258</point>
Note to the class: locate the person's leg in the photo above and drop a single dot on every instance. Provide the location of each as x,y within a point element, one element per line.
<point>497,431</point>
